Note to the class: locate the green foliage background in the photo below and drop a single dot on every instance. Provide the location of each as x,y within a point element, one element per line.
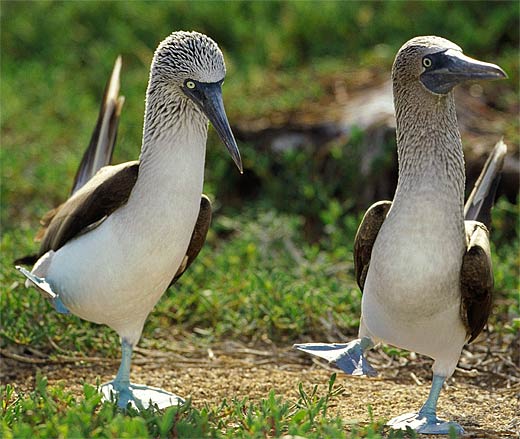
<point>259,277</point>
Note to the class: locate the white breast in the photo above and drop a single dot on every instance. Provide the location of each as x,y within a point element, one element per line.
<point>411,297</point>
<point>116,273</point>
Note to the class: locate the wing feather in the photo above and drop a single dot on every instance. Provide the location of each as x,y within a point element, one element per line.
<point>101,146</point>
<point>108,190</point>
<point>366,236</point>
<point>104,196</point>
<point>198,237</point>
<point>476,279</point>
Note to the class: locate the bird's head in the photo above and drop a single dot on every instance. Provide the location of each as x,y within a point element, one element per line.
<point>439,65</point>
<point>189,66</point>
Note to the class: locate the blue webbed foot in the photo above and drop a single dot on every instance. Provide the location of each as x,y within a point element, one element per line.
<point>139,397</point>
<point>39,283</point>
<point>424,424</point>
<point>347,356</point>
<point>44,289</point>
<point>426,421</point>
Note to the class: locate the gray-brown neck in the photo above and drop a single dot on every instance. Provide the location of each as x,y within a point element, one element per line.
<point>169,118</point>
<point>431,160</point>
<point>173,150</point>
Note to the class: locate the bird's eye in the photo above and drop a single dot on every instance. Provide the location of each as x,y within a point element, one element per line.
<point>427,62</point>
<point>190,85</point>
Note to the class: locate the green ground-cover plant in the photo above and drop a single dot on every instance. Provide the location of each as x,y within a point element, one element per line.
<point>55,412</point>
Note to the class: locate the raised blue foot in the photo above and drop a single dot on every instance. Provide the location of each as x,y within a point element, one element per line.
<point>347,356</point>
<point>44,289</point>
<point>39,283</point>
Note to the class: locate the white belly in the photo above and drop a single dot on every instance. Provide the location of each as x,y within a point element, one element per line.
<point>411,297</point>
<point>116,273</point>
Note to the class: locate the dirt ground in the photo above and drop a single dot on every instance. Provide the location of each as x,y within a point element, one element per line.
<point>483,395</point>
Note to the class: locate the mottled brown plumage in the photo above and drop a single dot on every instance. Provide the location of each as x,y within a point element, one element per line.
<point>127,230</point>
<point>101,146</point>
<point>103,194</point>
<point>108,190</point>
<point>425,273</point>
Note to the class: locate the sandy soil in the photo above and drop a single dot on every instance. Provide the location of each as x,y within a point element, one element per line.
<point>483,400</point>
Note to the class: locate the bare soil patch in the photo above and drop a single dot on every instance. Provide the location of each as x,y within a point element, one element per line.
<point>482,395</point>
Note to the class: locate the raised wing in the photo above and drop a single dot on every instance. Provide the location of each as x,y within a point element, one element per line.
<point>480,201</point>
<point>108,190</point>
<point>198,237</point>
<point>101,146</point>
<point>366,236</point>
<point>62,223</point>
<point>476,279</point>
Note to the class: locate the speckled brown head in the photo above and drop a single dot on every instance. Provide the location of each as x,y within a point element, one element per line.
<point>187,72</point>
<point>439,65</point>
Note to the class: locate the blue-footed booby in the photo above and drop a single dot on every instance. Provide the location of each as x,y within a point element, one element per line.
<point>423,260</point>
<point>129,231</point>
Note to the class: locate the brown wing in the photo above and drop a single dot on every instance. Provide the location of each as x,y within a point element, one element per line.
<point>476,279</point>
<point>198,237</point>
<point>366,236</point>
<point>104,193</point>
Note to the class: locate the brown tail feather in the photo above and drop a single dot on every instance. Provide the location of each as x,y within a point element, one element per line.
<point>482,197</point>
<point>101,146</point>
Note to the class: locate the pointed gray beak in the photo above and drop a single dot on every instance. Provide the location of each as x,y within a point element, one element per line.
<point>452,67</point>
<point>208,96</point>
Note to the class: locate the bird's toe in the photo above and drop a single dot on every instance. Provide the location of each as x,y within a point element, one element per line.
<point>424,424</point>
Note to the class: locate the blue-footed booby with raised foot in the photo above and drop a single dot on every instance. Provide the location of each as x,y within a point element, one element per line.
<point>423,260</point>
<point>129,231</point>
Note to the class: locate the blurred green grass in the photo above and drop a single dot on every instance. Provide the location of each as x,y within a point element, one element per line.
<point>258,277</point>
<point>53,70</point>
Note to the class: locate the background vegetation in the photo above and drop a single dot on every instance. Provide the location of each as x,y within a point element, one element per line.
<point>262,275</point>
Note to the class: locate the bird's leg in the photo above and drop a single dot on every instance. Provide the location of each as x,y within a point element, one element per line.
<point>426,421</point>
<point>121,382</point>
<point>429,409</point>
<point>348,357</point>
<point>59,306</point>
<point>137,396</point>
<point>120,387</point>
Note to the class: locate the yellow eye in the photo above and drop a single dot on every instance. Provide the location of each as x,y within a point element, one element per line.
<point>190,85</point>
<point>427,62</point>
